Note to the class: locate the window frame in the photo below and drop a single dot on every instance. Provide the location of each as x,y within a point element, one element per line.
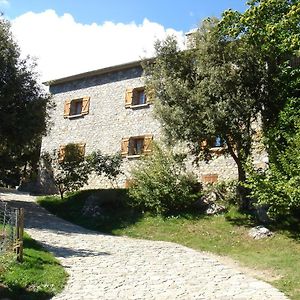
<point>74,102</point>
<point>127,146</point>
<point>69,112</point>
<point>132,94</point>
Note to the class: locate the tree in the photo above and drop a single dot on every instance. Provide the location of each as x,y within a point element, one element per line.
<point>105,164</point>
<point>273,28</point>
<point>213,90</point>
<point>23,110</point>
<point>69,170</point>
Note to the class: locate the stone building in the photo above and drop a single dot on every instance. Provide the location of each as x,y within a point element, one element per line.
<point>108,110</point>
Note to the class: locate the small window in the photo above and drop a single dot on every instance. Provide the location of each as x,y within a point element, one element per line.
<point>139,97</point>
<point>136,146</point>
<point>76,107</point>
<point>136,97</point>
<point>217,142</point>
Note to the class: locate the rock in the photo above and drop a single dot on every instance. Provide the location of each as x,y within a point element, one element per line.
<point>91,207</point>
<point>260,232</point>
<point>214,208</point>
<point>209,204</point>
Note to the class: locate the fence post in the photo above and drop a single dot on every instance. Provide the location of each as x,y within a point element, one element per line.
<point>20,233</point>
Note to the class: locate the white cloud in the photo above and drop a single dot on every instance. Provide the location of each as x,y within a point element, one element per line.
<point>64,47</point>
<point>4,3</point>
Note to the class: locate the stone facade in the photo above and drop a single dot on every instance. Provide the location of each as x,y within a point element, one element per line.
<point>108,121</point>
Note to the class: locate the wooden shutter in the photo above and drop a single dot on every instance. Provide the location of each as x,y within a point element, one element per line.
<point>61,153</point>
<point>128,97</point>
<point>67,108</point>
<point>81,149</point>
<point>149,96</point>
<point>124,146</point>
<point>148,144</point>
<point>85,105</point>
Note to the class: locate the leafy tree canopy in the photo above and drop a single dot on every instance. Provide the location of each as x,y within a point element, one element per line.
<point>23,111</point>
<point>212,90</point>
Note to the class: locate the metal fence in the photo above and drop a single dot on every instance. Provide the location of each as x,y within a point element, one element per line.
<point>11,230</point>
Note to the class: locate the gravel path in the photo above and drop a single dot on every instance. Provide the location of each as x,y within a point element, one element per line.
<point>109,267</point>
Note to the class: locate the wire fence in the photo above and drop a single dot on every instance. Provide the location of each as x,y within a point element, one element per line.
<point>11,230</point>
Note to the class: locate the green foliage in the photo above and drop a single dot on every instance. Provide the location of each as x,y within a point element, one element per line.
<point>214,89</point>
<point>272,27</point>
<point>113,203</point>
<point>40,276</point>
<point>105,164</point>
<point>70,173</point>
<point>161,184</point>
<point>23,110</point>
<point>279,186</point>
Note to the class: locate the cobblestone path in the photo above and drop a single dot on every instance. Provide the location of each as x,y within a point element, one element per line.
<point>109,267</point>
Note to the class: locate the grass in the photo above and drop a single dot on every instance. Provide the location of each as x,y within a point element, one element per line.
<point>38,277</point>
<point>276,259</point>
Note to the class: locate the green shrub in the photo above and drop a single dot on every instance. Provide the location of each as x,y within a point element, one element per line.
<point>279,193</point>
<point>160,183</point>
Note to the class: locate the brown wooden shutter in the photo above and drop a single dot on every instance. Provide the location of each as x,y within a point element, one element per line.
<point>124,146</point>
<point>148,144</point>
<point>81,149</point>
<point>67,108</point>
<point>149,96</point>
<point>128,97</point>
<point>61,153</point>
<point>85,105</point>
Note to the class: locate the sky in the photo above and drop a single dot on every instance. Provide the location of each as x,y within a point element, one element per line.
<point>68,37</point>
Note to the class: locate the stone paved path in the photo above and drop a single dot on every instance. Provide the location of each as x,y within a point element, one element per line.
<point>109,267</point>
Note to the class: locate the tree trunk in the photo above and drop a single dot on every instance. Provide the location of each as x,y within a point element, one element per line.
<point>242,192</point>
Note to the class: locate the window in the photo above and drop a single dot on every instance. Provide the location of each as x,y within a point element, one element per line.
<point>139,97</point>
<point>71,151</point>
<point>76,107</point>
<point>217,142</point>
<point>136,146</point>
<point>136,97</point>
<point>212,143</point>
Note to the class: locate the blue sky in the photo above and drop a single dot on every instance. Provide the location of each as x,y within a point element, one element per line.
<point>177,14</point>
<point>48,30</point>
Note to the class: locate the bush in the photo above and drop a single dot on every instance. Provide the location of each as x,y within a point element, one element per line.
<point>160,184</point>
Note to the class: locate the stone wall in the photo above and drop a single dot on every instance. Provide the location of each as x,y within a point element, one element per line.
<point>107,122</point>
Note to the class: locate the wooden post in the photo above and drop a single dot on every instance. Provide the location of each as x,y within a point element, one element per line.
<point>21,233</point>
